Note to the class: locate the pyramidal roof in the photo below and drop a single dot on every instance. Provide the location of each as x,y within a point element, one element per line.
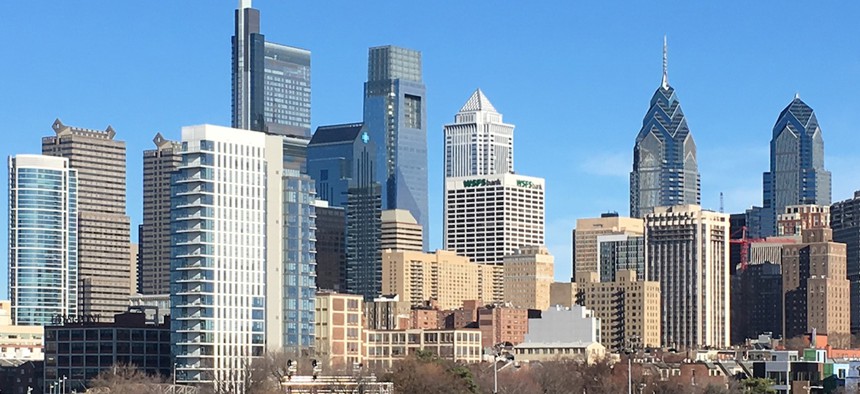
<point>478,102</point>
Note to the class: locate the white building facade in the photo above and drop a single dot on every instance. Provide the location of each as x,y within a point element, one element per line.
<point>687,251</point>
<point>478,142</point>
<point>490,216</point>
<point>226,245</point>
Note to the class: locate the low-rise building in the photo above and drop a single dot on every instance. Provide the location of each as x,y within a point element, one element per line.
<point>339,327</point>
<point>562,333</point>
<point>19,342</point>
<point>500,324</point>
<point>383,348</point>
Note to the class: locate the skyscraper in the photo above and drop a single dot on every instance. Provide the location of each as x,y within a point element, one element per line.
<point>331,246</point>
<point>586,249</point>
<point>158,164</point>
<point>665,170</point>
<point>271,82</point>
<point>687,251</point>
<point>400,231</point>
<point>43,239</point>
<point>478,142</point>
<point>797,174</point>
<point>342,161</point>
<point>104,269</point>
<point>845,222</point>
<point>237,272</point>
<point>395,115</point>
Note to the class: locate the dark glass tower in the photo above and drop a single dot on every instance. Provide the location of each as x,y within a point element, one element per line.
<point>342,161</point>
<point>271,82</point>
<point>395,115</point>
<point>665,171</point>
<point>845,222</point>
<point>797,174</point>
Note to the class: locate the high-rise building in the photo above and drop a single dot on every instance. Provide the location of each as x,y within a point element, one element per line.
<point>756,301</point>
<point>478,142</point>
<point>271,82</point>
<point>104,271</point>
<point>240,278</point>
<point>665,170</point>
<point>158,164</point>
<point>796,218</point>
<point>400,231</point>
<point>815,288</point>
<point>330,246</point>
<point>395,115</point>
<point>797,174</point>
<point>444,277</point>
<point>341,159</point>
<point>528,276</point>
<point>586,249</point>
<point>628,308</point>
<point>620,252</point>
<point>43,239</point>
<point>687,251</point>
<point>845,222</point>
<point>490,217</point>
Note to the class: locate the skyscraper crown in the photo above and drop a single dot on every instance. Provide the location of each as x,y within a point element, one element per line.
<point>478,102</point>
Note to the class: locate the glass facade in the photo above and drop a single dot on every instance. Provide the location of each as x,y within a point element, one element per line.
<point>299,261</point>
<point>287,90</point>
<point>620,252</point>
<point>665,170</point>
<point>395,111</point>
<point>43,239</point>
<point>797,174</point>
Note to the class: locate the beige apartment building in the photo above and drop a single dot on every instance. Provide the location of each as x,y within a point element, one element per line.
<point>158,164</point>
<point>815,286</point>
<point>629,310</point>
<point>339,328</point>
<point>585,247</point>
<point>105,272</point>
<point>443,276</point>
<point>383,348</point>
<point>528,276</point>
<point>797,218</point>
<point>400,231</point>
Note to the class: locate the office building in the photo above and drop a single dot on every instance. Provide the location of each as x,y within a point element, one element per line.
<point>756,301</point>
<point>339,328</point>
<point>815,286</point>
<point>628,308</point>
<point>154,267</point>
<point>528,276</point>
<point>620,252</point>
<point>43,237</point>
<point>797,218</point>
<point>665,168</point>
<point>81,349</point>
<point>797,174</point>
<point>271,83</point>
<point>400,231</point>
<point>383,348</point>
<point>586,249</point>
<point>341,159</point>
<point>490,217</point>
<point>478,142</point>
<point>105,275</point>
<point>845,222</point>
<point>687,251</point>
<point>330,246</point>
<point>230,197</point>
<point>395,115</point>
<point>443,277</point>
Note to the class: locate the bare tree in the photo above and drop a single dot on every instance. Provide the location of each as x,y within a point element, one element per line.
<point>128,379</point>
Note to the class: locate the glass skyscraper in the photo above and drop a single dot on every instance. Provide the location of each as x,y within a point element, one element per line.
<point>43,239</point>
<point>797,174</point>
<point>395,115</point>
<point>342,160</point>
<point>271,82</point>
<point>665,170</point>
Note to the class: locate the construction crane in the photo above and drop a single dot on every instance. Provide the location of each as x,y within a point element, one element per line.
<point>744,242</point>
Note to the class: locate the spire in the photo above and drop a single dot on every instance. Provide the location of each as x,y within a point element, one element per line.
<point>797,95</point>
<point>665,83</point>
<point>244,4</point>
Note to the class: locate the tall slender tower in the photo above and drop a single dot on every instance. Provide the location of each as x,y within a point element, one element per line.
<point>271,82</point>
<point>158,164</point>
<point>797,174</point>
<point>665,170</point>
<point>43,239</point>
<point>105,270</point>
<point>478,142</point>
<point>395,115</point>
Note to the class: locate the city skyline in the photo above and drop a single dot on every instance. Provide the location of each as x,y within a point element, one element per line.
<point>179,98</point>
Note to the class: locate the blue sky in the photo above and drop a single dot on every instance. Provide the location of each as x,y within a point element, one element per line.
<point>574,77</point>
